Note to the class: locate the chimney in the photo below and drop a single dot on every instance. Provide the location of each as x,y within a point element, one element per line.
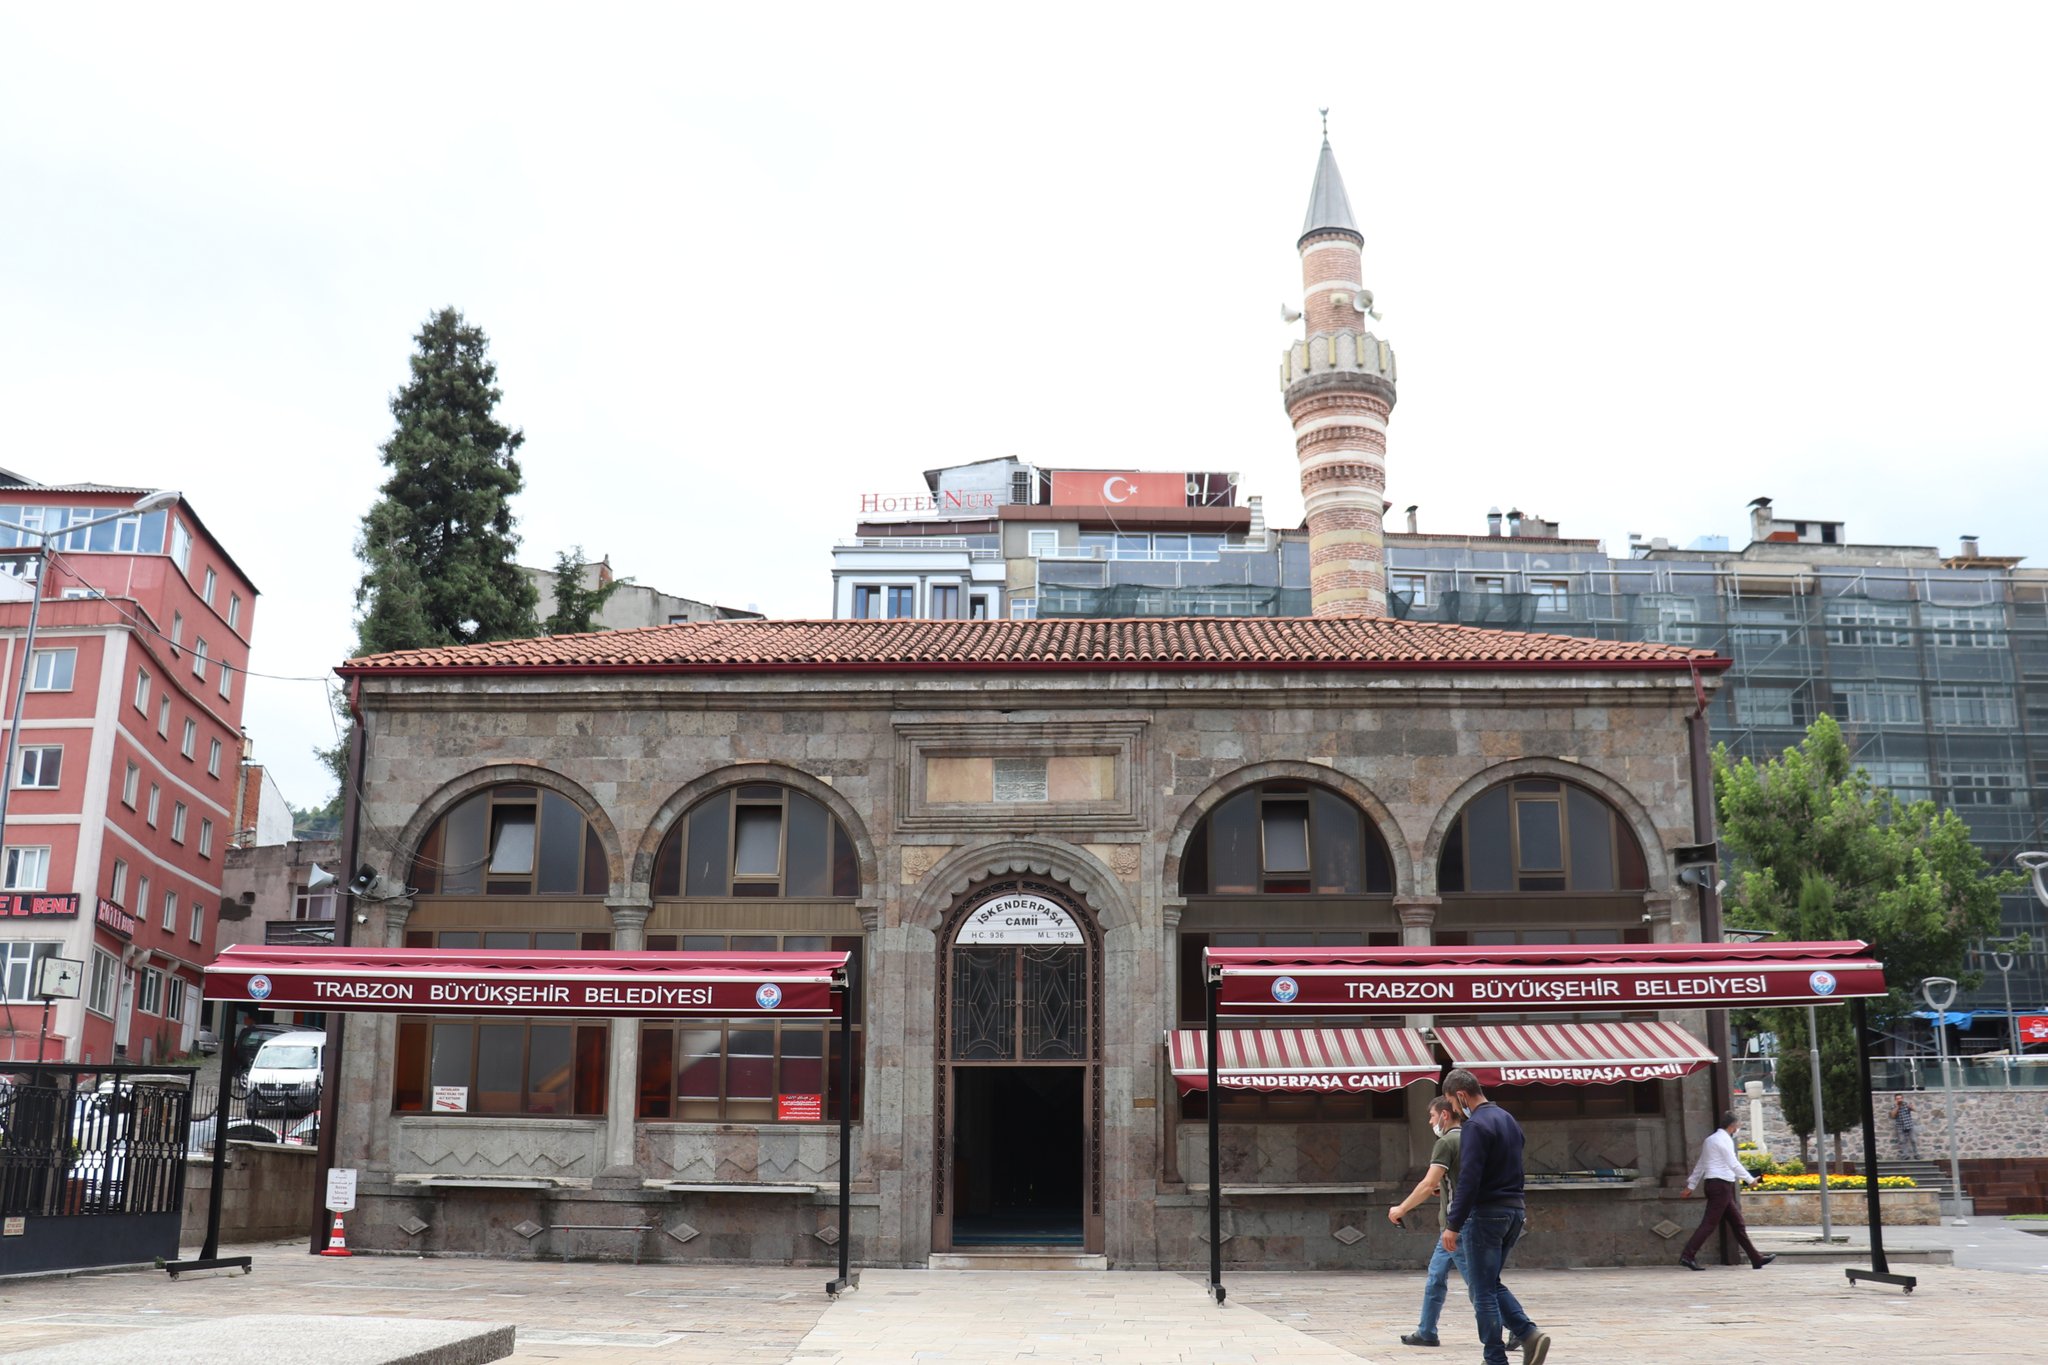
<point>1493,521</point>
<point>1759,518</point>
<point>1256,505</point>
<point>1514,521</point>
<point>1969,547</point>
<point>1411,518</point>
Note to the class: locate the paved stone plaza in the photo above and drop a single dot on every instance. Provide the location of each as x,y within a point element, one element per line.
<point>1800,1310</point>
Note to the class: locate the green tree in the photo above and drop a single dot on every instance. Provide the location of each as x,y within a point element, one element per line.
<point>1819,851</point>
<point>1814,919</point>
<point>438,546</point>
<point>576,607</point>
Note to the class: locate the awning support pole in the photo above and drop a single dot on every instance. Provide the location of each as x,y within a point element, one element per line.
<point>1215,988</point>
<point>1880,1270</point>
<point>209,1254</point>
<point>845,1281</point>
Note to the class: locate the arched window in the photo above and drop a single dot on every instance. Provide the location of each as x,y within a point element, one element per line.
<point>1540,834</point>
<point>511,841</point>
<point>760,839</point>
<point>1286,838</point>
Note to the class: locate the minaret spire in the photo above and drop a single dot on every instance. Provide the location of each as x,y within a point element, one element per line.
<point>1339,386</point>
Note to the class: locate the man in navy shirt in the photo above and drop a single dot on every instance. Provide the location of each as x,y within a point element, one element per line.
<point>1486,1211</point>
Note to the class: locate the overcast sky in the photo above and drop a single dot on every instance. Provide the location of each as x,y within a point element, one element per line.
<point>1640,263</point>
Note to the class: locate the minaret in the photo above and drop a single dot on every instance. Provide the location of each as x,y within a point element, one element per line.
<point>1339,382</point>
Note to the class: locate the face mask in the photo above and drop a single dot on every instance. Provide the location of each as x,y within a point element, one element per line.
<point>1437,1129</point>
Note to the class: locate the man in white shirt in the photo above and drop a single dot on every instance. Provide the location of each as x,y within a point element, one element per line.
<point>1724,1174</point>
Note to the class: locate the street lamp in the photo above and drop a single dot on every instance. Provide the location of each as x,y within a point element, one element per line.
<point>2005,962</point>
<point>1940,993</point>
<point>163,497</point>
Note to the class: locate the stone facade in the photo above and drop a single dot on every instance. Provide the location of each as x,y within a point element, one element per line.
<point>635,751</point>
<point>1989,1123</point>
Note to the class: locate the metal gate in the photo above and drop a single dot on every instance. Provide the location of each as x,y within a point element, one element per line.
<point>92,1165</point>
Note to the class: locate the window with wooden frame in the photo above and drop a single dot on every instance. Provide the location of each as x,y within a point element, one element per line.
<point>757,840</point>
<point>1539,834</point>
<point>512,841</point>
<point>545,1068</point>
<point>713,1070</point>
<point>1286,838</point>
<point>498,940</point>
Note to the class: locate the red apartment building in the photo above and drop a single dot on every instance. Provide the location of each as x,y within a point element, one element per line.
<point>121,807</point>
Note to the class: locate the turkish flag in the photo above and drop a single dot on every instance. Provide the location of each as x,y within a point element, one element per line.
<point>2033,1028</point>
<point>1115,488</point>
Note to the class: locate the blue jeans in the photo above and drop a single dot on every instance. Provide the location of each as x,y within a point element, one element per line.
<point>1489,1235</point>
<point>1437,1283</point>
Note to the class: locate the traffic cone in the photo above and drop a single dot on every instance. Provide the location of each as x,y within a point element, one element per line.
<point>337,1241</point>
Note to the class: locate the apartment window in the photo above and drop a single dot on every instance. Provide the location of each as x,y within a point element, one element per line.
<point>199,657</point>
<point>155,798</point>
<point>902,601</point>
<point>867,602</point>
<point>1871,703</point>
<point>213,758</point>
<point>1762,625</point>
<point>131,785</point>
<point>946,602</point>
<point>1414,587</point>
<point>309,904</point>
<point>206,593</point>
<point>99,996</point>
<point>18,959</point>
<point>150,998</point>
<point>501,1067</point>
<point>1539,834</point>
<point>1167,545</point>
<point>117,885</point>
<point>42,765</point>
<point>206,838</point>
<point>512,841</point>
<point>1986,784</point>
<point>980,607</point>
<point>1023,609</point>
<point>234,610</point>
<point>1905,778</point>
<point>1879,625</point>
<point>1965,627</point>
<point>28,869</point>
<point>1042,544</point>
<point>1962,706</point>
<point>1553,595</point>
<point>1675,618</point>
<point>142,898</point>
<point>178,814</point>
<point>142,691</point>
<point>198,920</point>
<point>190,739</point>
<point>1767,705</point>
<point>52,670</point>
<point>163,718</point>
<point>174,998</point>
<point>181,547</point>
<point>226,682</point>
<point>170,912</point>
<point>177,631</point>
<point>757,840</point>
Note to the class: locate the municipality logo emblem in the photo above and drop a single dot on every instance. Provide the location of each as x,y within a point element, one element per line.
<point>1285,989</point>
<point>1823,983</point>
<point>769,996</point>
<point>259,988</point>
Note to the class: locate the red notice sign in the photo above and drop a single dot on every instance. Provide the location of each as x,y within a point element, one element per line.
<point>800,1108</point>
<point>2033,1029</point>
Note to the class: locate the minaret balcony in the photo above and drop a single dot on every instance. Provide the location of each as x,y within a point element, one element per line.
<point>1338,352</point>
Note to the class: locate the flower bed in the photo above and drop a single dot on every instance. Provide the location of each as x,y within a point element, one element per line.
<point>1786,1183</point>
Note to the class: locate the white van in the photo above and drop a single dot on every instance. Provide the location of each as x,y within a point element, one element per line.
<point>286,1075</point>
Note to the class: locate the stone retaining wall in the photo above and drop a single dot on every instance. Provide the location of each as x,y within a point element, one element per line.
<point>1989,1123</point>
<point>269,1192</point>
<point>1800,1208</point>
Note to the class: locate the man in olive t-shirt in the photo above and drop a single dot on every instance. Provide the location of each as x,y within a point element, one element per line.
<point>1440,1179</point>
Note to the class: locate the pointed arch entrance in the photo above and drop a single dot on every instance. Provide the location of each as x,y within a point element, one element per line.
<point>1019,1095</point>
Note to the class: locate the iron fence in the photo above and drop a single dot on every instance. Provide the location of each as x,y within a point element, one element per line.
<point>93,1140</point>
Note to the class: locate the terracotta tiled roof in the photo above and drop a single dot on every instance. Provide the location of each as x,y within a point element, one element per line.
<point>1362,643</point>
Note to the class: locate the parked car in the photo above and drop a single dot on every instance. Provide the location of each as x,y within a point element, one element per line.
<point>247,1043</point>
<point>206,1042</point>
<point>286,1075</point>
<point>200,1140</point>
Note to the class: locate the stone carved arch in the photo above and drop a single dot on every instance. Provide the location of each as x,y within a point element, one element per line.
<point>452,792</point>
<point>1656,858</point>
<point>961,870</point>
<point>1350,788</point>
<point>733,775</point>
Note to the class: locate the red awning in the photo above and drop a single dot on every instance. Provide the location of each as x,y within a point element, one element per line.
<point>1533,978</point>
<point>445,981</point>
<point>1334,1060</point>
<point>1574,1054</point>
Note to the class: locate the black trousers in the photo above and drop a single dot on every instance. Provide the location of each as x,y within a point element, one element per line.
<point>1722,1203</point>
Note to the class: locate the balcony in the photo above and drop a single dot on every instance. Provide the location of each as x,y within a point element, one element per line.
<point>298,932</point>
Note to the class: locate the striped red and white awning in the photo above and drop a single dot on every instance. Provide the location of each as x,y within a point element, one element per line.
<point>1574,1054</point>
<point>1333,1060</point>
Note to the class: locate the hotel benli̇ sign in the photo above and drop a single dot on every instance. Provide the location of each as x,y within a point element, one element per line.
<point>1019,919</point>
